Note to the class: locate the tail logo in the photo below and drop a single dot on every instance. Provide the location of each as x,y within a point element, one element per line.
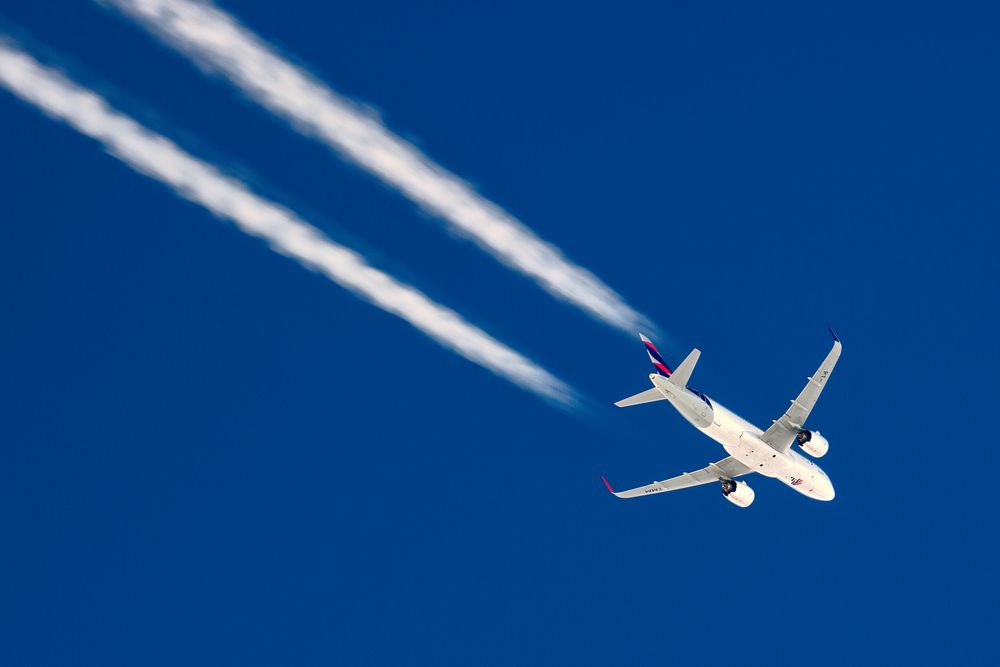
<point>654,356</point>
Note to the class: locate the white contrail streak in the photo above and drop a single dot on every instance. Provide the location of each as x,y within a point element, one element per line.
<point>161,159</point>
<point>219,43</point>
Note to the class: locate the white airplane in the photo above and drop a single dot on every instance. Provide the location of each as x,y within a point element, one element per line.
<point>750,449</point>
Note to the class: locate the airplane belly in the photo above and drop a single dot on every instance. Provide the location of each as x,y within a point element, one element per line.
<point>755,454</point>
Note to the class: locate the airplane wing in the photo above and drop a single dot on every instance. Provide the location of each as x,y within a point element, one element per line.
<point>727,467</point>
<point>783,431</point>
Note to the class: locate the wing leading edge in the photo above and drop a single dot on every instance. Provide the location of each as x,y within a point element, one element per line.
<point>726,468</point>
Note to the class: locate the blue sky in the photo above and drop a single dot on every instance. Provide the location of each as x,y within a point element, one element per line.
<point>212,455</point>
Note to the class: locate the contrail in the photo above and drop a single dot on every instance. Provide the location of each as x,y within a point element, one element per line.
<point>161,159</point>
<point>219,43</point>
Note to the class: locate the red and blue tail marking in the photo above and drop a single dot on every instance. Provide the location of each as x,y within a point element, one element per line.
<point>654,356</point>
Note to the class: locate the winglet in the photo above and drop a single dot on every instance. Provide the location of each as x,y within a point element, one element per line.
<point>833,333</point>
<point>608,485</point>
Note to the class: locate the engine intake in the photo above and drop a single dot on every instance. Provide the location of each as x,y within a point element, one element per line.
<point>813,444</point>
<point>738,493</point>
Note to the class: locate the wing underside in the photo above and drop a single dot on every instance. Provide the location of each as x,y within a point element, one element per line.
<point>727,468</point>
<point>782,432</point>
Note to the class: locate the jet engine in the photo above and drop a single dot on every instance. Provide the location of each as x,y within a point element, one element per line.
<point>738,493</point>
<point>813,444</point>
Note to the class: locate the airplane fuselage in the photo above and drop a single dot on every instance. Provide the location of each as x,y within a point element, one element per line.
<point>742,441</point>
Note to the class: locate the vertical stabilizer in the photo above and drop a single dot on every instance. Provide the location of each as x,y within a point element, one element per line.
<point>654,356</point>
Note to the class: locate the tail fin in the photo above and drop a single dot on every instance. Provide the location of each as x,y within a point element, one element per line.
<point>681,376</point>
<point>654,355</point>
<point>678,377</point>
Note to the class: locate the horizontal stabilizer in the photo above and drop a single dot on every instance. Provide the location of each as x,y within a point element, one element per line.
<point>682,373</point>
<point>647,396</point>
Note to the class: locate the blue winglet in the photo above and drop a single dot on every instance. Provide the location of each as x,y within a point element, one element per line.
<point>833,333</point>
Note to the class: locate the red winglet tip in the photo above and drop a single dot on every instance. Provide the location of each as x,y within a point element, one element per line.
<point>606,484</point>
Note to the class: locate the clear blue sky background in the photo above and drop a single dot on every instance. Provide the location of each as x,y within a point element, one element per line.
<point>212,456</point>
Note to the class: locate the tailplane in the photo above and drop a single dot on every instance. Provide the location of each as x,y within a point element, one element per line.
<point>647,396</point>
<point>681,376</point>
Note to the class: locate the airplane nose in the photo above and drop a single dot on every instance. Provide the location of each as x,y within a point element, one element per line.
<point>828,493</point>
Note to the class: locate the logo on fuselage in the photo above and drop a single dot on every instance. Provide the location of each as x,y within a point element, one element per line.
<point>796,481</point>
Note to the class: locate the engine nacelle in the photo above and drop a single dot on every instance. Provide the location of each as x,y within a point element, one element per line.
<point>738,493</point>
<point>813,444</point>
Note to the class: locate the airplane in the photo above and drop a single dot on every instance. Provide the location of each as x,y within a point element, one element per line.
<point>750,449</point>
